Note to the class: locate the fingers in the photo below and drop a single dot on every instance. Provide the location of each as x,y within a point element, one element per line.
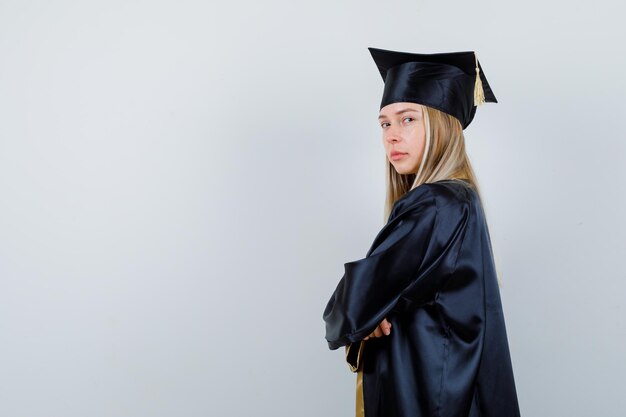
<point>384,328</point>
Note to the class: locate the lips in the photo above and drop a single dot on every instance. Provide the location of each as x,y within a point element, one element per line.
<point>397,155</point>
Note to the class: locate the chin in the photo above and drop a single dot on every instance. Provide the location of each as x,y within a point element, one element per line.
<point>402,170</point>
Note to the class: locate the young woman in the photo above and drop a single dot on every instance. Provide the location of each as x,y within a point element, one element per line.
<point>420,316</point>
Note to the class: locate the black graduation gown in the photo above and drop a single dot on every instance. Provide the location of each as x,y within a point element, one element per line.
<point>430,272</point>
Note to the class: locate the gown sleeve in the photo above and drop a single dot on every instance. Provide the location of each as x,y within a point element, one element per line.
<point>420,235</point>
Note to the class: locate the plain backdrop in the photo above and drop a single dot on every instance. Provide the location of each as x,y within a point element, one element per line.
<point>181,183</point>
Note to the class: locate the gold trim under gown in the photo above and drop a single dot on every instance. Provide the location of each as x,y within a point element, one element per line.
<point>356,365</point>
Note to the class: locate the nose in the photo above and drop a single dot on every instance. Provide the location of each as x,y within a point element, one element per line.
<point>392,134</point>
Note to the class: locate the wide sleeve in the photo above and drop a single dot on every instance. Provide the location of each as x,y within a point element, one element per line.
<point>406,254</point>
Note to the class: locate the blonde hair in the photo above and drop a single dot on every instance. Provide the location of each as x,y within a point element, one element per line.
<point>444,158</point>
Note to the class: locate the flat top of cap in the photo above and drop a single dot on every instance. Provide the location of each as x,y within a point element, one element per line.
<point>385,59</point>
<point>464,60</point>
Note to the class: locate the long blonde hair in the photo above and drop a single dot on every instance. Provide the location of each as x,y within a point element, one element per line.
<point>444,158</point>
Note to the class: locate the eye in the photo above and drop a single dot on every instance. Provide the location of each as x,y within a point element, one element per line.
<point>383,124</point>
<point>408,118</point>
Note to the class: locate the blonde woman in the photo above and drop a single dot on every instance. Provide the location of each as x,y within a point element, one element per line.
<point>421,316</point>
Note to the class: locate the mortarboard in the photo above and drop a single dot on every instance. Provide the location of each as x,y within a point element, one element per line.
<point>453,82</point>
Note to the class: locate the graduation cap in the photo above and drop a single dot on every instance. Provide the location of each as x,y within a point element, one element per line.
<point>453,82</point>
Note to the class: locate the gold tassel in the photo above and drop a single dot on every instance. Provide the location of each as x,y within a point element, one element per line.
<point>479,94</point>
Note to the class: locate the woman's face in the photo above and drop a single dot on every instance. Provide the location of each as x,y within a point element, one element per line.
<point>404,135</point>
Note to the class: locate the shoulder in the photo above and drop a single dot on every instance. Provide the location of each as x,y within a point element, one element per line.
<point>452,192</point>
<point>443,196</point>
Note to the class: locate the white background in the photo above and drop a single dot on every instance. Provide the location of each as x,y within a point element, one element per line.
<point>182,181</point>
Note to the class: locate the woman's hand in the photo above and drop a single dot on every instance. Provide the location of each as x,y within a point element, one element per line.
<point>383,328</point>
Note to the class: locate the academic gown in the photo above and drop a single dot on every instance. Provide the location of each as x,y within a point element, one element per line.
<point>430,272</point>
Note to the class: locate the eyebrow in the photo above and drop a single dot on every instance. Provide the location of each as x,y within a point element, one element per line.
<point>398,112</point>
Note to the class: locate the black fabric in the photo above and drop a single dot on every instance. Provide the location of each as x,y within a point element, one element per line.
<point>430,272</point>
<point>444,81</point>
